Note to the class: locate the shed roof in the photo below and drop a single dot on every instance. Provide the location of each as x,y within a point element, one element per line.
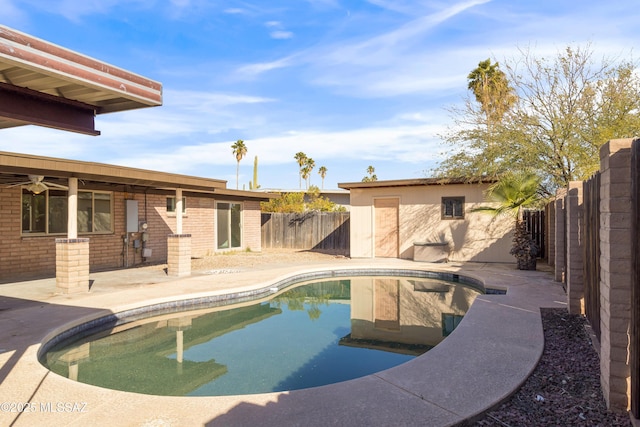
<point>414,182</point>
<point>44,84</point>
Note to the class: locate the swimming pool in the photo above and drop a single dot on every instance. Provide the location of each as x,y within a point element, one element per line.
<point>300,333</point>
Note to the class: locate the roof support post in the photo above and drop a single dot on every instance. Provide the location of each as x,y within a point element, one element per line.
<point>178,210</point>
<point>72,216</point>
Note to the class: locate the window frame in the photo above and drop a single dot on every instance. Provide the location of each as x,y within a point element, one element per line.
<point>47,213</point>
<point>453,216</point>
<point>172,212</point>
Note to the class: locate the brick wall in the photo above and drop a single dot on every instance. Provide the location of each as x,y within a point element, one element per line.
<point>28,257</point>
<point>574,258</point>
<point>72,265</point>
<point>21,257</point>
<point>252,226</point>
<point>616,271</point>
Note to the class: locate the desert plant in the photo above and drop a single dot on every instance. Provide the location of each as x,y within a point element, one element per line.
<point>514,192</point>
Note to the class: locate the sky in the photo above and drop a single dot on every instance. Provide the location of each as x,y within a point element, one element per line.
<point>350,83</point>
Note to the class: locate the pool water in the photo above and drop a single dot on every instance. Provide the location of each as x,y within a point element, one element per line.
<point>308,335</point>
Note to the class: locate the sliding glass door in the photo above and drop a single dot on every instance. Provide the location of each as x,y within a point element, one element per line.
<point>229,225</point>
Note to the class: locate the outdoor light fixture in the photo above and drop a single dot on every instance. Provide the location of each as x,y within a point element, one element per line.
<point>37,187</point>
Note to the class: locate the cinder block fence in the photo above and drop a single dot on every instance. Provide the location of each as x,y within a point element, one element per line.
<point>597,234</point>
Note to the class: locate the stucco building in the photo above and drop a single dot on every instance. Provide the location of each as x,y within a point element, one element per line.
<point>428,220</point>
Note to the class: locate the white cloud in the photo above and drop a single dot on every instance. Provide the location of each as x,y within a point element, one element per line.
<point>415,144</point>
<point>11,13</point>
<point>368,67</point>
<point>281,35</point>
<point>253,70</point>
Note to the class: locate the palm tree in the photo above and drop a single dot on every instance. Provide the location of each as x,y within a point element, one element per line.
<point>492,90</point>
<point>309,165</point>
<point>372,176</point>
<point>301,158</point>
<point>239,150</point>
<point>304,173</point>
<point>513,193</point>
<point>322,171</point>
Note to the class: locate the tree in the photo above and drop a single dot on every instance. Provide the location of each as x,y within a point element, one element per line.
<point>565,108</point>
<point>295,203</point>
<point>301,158</point>
<point>514,192</point>
<point>239,150</point>
<point>307,169</point>
<point>492,91</point>
<point>322,171</point>
<point>372,176</point>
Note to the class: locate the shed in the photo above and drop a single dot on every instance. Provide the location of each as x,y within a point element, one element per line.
<point>427,219</point>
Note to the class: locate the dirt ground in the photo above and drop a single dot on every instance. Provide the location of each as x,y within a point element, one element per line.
<point>267,257</point>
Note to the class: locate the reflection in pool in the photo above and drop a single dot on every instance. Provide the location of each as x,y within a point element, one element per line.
<point>305,336</point>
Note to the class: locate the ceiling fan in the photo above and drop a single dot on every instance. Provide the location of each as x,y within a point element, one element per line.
<point>37,185</point>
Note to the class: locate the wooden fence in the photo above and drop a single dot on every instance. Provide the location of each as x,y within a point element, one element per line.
<point>535,221</point>
<point>591,251</point>
<point>321,231</point>
<point>634,338</point>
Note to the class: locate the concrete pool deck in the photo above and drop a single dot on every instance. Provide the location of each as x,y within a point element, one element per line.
<point>485,360</point>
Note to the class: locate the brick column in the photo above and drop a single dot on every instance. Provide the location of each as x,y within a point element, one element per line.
<point>616,271</point>
<point>560,235</point>
<point>179,255</point>
<point>574,273</point>
<point>72,265</point>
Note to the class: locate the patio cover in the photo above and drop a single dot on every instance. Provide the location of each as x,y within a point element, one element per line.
<point>47,85</point>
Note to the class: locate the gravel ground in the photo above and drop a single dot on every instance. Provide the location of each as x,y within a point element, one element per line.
<point>564,389</point>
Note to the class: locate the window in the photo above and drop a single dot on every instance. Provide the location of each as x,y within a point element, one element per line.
<point>171,205</point>
<point>47,212</point>
<point>229,225</point>
<point>452,207</point>
<point>449,323</point>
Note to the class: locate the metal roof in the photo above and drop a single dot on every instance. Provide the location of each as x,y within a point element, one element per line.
<point>45,84</point>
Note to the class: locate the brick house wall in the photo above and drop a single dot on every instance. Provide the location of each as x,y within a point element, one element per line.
<point>252,226</point>
<point>28,257</point>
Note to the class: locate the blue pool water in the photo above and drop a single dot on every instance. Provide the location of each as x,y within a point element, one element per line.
<point>308,335</point>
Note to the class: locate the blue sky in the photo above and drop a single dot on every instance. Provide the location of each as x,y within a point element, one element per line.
<point>349,83</point>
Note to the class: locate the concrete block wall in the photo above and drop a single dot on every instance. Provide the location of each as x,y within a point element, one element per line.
<point>574,248</point>
<point>616,271</point>
<point>179,255</point>
<point>72,265</point>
